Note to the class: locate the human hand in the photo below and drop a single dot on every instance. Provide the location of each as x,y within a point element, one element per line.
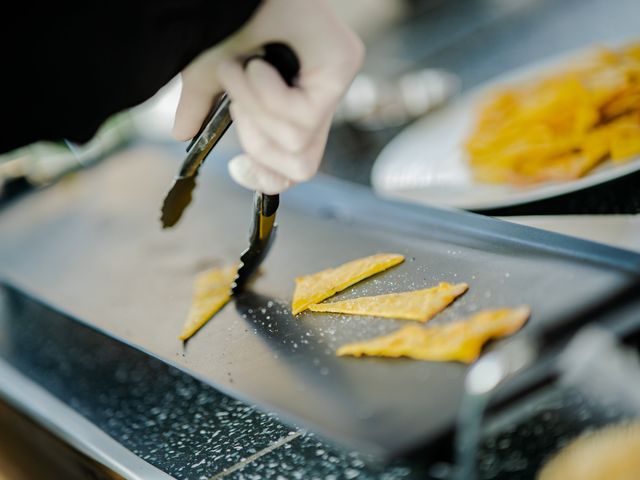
<point>283,130</point>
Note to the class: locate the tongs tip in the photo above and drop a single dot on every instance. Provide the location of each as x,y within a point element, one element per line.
<point>263,231</point>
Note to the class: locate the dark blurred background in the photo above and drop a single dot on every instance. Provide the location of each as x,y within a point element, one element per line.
<point>420,55</point>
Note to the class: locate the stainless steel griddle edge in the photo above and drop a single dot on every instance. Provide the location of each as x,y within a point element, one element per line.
<point>34,401</point>
<point>352,203</point>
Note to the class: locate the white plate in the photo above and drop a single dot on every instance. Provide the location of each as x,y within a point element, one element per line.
<point>426,163</point>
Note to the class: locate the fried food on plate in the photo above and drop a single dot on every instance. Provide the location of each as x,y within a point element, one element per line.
<point>460,341</point>
<point>562,125</point>
<point>312,289</point>
<point>420,305</point>
<point>212,291</point>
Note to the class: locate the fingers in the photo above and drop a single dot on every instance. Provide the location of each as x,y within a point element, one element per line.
<point>278,127</point>
<point>276,122</point>
<point>297,167</point>
<point>276,96</point>
<point>255,176</point>
<point>279,151</point>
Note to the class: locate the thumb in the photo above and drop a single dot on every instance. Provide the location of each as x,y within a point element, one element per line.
<point>200,91</point>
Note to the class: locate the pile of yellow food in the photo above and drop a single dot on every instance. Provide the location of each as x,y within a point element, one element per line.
<point>561,126</point>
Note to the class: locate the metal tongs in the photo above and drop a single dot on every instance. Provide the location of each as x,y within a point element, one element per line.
<point>180,194</point>
<point>263,229</point>
<point>265,206</point>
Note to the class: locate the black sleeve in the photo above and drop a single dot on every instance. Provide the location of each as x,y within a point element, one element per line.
<point>67,66</point>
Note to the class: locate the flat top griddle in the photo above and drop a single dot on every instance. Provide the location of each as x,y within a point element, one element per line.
<point>92,246</point>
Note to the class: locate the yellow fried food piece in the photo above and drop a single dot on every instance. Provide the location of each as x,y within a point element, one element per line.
<point>315,288</point>
<point>212,291</point>
<point>561,168</point>
<point>560,126</point>
<point>459,341</point>
<point>421,305</point>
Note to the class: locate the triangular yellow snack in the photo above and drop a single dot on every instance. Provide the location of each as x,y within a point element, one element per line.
<point>460,341</point>
<point>212,291</point>
<point>421,305</point>
<point>315,288</point>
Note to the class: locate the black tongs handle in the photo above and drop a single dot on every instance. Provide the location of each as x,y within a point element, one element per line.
<point>283,59</point>
<point>269,204</point>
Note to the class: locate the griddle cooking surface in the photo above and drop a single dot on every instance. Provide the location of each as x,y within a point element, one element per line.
<point>93,247</point>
